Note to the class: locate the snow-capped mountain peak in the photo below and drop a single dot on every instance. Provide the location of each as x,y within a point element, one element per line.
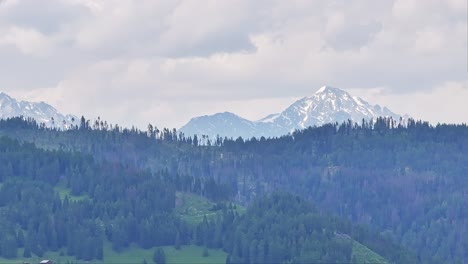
<point>328,90</point>
<point>40,111</point>
<point>326,105</point>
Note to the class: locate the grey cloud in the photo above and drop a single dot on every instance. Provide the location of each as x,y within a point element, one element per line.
<point>221,42</point>
<point>353,36</point>
<point>47,16</point>
<point>135,61</point>
<point>172,29</point>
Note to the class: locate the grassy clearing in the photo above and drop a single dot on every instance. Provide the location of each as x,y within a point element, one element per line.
<point>187,254</point>
<point>54,256</point>
<point>362,254</point>
<point>194,254</point>
<point>193,208</point>
<point>64,192</point>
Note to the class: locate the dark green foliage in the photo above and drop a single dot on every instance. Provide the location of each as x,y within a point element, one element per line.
<point>286,222</point>
<point>177,241</point>
<point>133,207</point>
<point>283,228</point>
<point>408,181</point>
<point>20,238</point>
<point>8,246</point>
<point>206,253</point>
<point>27,252</point>
<point>159,257</point>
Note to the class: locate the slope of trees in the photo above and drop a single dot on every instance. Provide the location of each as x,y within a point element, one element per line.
<point>285,228</point>
<point>409,182</point>
<point>125,205</point>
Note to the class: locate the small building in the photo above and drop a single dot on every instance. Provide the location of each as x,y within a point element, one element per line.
<point>46,261</point>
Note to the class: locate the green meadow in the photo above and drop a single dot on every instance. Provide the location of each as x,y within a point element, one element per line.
<point>133,254</point>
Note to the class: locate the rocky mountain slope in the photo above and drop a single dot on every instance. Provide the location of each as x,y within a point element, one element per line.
<point>327,105</point>
<point>40,111</point>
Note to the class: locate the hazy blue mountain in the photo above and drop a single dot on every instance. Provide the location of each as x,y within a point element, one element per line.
<point>40,111</point>
<point>327,105</point>
<point>225,124</point>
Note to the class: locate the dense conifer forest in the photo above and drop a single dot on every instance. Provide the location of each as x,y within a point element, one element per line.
<point>401,190</point>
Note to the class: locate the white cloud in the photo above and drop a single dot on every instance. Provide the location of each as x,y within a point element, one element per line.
<point>445,103</point>
<point>28,41</point>
<point>428,42</point>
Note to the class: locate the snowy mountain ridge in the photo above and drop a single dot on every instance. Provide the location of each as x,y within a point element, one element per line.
<point>327,105</point>
<point>40,111</point>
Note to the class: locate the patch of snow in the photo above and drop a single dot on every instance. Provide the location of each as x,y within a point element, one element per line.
<point>41,112</point>
<point>269,119</point>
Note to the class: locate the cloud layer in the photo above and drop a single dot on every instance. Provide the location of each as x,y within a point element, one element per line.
<point>135,62</point>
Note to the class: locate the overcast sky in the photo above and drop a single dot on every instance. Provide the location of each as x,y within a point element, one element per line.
<point>163,62</point>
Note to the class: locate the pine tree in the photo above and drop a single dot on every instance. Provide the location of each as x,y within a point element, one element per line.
<point>27,252</point>
<point>20,238</point>
<point>177,241</point>
<point>206,253</point>
<point>9,247</point>
<point>159,257</point>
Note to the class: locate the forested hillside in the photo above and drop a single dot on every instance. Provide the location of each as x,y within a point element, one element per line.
<point>285,228</point>
<point>406,182</point>
<point>125,206</point>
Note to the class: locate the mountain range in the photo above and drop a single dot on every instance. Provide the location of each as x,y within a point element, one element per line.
<point>327,105</point>
<point>42,112</point>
